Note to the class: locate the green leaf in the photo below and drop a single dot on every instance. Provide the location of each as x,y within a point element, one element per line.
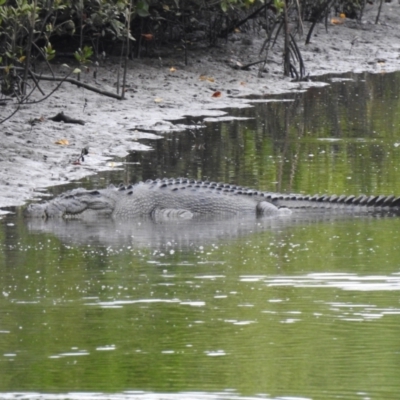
<point>143,8</point>
<point>116,25</point>
<point>49,52</point>
<point>224,6</point>
<point>87,52</point>
<point>77,56</point>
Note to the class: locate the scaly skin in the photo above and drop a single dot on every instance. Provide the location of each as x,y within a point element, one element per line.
<point>187,198</point>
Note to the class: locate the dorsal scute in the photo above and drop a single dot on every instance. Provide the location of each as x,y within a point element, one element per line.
<point>349,199</point>
<point>359,199</point>
<point>379,201</point>
<point>295,197</point>
<point>371,200</point>
<point>363,200</point>
<point>395,202</point>
<point>321,198</point>
<point>388,201</point>
<point>332,198</point>
<point>341,198</point>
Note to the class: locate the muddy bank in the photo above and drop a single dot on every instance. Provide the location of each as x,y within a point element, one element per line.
<point>162,89</point>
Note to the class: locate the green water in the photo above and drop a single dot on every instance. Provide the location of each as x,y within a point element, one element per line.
<point>289,309</point>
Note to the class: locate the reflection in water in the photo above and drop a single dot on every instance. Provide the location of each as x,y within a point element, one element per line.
<point>147,233</point>
<point>297,308</point>
<point>184,234</point>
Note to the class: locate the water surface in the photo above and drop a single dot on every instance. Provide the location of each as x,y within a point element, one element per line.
<point>280,309</point>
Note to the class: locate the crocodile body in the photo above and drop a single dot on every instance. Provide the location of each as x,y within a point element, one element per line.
<point>184,198</point>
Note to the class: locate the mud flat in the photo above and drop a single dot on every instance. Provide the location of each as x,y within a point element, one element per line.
<point>162,89</point>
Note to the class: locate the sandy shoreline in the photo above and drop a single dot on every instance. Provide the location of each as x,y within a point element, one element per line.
<point>30,159</point>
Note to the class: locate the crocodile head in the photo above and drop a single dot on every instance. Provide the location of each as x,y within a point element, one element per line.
<point>78,203</point>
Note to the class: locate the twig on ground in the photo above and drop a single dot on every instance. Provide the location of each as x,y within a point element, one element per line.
<point>379,12</point>
<point>69,80</point>
<point>11,115</point>
<point>61,117</point>
<point>247,66</point>
<point>80,84</point>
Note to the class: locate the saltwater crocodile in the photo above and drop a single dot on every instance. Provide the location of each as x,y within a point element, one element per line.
<point>184,198</point>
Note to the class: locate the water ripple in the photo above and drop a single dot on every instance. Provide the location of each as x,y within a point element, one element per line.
<point>342,281</point>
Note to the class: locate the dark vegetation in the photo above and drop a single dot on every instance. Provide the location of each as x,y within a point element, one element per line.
<point>33,31</point>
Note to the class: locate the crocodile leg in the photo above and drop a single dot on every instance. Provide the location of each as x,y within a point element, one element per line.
<point>265,208</point>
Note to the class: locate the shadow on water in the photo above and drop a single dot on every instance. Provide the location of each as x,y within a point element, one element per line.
<point>300,307</point>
